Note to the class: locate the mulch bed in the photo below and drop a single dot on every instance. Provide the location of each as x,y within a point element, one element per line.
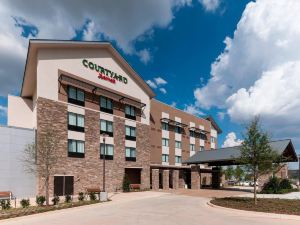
<point>280,206</point>
<point>16,212</point>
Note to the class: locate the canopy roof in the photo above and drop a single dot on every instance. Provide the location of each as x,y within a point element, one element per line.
<point>229,156</point>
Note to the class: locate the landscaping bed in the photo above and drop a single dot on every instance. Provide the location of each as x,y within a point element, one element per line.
<point>280,206</point>
<point>16,212</point>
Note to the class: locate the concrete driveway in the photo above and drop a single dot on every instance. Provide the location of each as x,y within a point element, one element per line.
<point>145,208</point>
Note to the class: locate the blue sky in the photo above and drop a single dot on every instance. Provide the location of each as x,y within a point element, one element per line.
<point>230,59</point>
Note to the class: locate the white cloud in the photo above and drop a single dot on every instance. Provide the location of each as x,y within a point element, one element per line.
<point>151,84</point>
<point>163,90</point>
<point>191,109</point>
<point>144,55</point>
<point>173,104</point>
<point>259,69</point>
<point>221,115</point>
<point>160,81</point>
<point>231,140</point>
<point>124,23</point>
<point>3,110</point>
<point>210,5</point>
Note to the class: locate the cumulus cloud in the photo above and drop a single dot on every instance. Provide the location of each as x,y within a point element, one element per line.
<point>258,72</point>
<point>151,84</point>
<point>192,109</point>
<point>163,90</point>
<point>124,24</point>
<point>231,140</point>
<point>210,5</point>
<point>221,115</point>
<point>158,82</point>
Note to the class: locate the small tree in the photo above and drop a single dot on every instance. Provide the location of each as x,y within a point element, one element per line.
<point>239,173</point>
<point>40,159</point>
<point>256,153</point>
<point>126,183</point>
<point>229,172</point>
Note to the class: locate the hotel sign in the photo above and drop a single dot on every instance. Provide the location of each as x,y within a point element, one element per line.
<point>103,73</point>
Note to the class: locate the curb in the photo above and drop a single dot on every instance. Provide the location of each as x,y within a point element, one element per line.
<point>254,213</point>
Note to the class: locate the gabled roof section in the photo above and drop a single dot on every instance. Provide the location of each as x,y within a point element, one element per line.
<point>228,156</point>
<point>35,44</point>
<point>213,122</point>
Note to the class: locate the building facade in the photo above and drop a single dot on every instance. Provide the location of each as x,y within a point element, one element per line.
<point>79,92</point>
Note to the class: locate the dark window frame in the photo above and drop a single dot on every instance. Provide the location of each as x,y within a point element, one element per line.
<point>106,109</point>
<point>165,156</point>
<point>73,100</point>
<point>76,154</point>
<point>130,158</point>
<point>110,133</point>
<point>75,127</point>
<point>130,137</point>
<point>164,126</point>
<point>107,157</point>
<point>131,116</point>
<point>178,130</point>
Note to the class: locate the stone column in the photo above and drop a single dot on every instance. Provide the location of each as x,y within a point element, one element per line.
<point>175,179</point>
<point>155,179</point>
<point>166,179</point>
<point>195,177</point>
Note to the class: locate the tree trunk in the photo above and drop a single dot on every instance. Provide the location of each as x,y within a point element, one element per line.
<point>255,196</point>
<point>47,190</point>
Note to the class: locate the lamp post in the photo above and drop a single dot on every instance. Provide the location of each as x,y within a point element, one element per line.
<point>299,170</point>
<point>103,193</point>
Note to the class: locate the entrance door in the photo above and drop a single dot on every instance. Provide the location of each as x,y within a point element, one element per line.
<point>63,185</point>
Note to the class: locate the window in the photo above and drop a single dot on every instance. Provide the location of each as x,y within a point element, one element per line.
<point>212,139</point>
<point>165,158</point>
<point>201,148</point>
<point>75,148</point>
<point>75,122</point>
<point>178,130</point>
<point>130,133</point>
<point>130,112</point>
<point>165,142</point>
<point>192,133</point>
<point>178,144</point>
<point>130,154</point>
<point>109,151</point>
<point>106,104</point>
<point>106,127</point>
<point>165,126</point>
<point>75,96</point>
<point>177,159</point>
<point>203,136</point>
<point>63,185</point>
<point>192,147</point>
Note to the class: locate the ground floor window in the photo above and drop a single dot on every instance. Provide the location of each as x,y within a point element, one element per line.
<point>109,151</point>
<point>165,158</point>
<point>63,185</point>
<point>130,154</point>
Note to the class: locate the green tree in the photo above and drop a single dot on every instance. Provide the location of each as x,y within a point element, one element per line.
<point>256,153</point>
<point>239,173</point>
<point>229,172</point>
<point>126,183</point>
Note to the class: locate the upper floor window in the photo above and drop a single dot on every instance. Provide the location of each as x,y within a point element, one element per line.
<point>178,144</point>
<point>75,122</point>
<point>165,126</point>
<point>109,151</point>
<point>212,140</point>
<point>177,159</point>
<point>192,147</point>
<point>75,148</point>
<point>106,104</point>
<point>106,127</point>
<point>165,142</point>
<point>203,136</point>
<point>202,148</point>
<point>75,96</point>
<point>130,112</point>
<point>192,133</point>
<point>130,154</point>
<point>165,158</point>
<point>130,133</point>
<point>178,130</point>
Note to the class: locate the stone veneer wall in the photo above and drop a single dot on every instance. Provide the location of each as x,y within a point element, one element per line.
<point>88,171</point>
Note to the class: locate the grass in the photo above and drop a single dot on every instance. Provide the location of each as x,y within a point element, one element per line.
<point>16,212</point>
<point>280,206</point>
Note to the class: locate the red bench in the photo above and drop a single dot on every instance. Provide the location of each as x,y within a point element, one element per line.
<point>135,186</point>
<point>7,195</point>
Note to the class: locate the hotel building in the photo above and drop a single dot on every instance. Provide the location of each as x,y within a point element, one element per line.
<point>80,91</point>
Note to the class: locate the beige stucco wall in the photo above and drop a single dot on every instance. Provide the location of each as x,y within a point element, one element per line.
<point>20,112</point>
<point>70,60</point>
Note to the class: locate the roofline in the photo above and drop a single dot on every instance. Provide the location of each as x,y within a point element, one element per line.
<point>107,44</point>
<point>214,123</point>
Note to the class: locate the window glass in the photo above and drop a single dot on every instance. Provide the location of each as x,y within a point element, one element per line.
<point>165,126</point>
<point>80,120</point>
<point>165,158</point>
<point>177,144</point>
<point>72,92</point>
<point>80,95</point>
<point>72,119</point>
<point>130,110</point>
<point>165,142</point>
<point>177,159</point>
<point>201,148</point>
<point>192,147</point>
<point>130,131</point>
<point>178,130</point>
<point>80,146</point>
<point>102,102</point>
<point>192,133</point>
<point>109,149</point>
<point>72,146</point>
<point>103,125</point>
<point>130,152</point>
<point>109,104</point>
<point>127,152</point>
<point>127,131</point>
<point>109,126</point>
<point>106,102</point>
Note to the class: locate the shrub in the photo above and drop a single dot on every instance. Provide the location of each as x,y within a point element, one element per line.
<point>80,196</point>
<point>55,200</point>
<point>272,186</point>
<point>25,203</point>
<point>68,198</point>
<point>126,184</point>
<point>93,196</point>
<point>40,200</point>
<point>285,184</point>
<point>5,204</point>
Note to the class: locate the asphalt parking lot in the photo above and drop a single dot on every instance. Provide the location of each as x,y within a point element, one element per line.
<point>143,208</point>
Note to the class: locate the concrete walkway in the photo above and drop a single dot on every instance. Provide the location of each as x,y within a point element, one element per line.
<point>145,208</point>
